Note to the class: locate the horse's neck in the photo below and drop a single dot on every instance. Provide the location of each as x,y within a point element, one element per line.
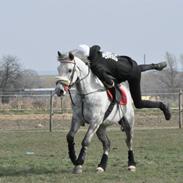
<point>89,82</point>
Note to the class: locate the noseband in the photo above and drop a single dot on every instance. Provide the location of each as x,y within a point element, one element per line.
<point>72,74</point>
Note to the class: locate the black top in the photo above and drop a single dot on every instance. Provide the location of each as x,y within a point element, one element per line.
<point>108,69</point>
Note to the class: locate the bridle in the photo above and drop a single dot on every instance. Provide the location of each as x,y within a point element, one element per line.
<point>72,74</point>
<point>78,80</point>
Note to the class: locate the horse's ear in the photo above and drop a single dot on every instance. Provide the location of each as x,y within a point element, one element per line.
<point>71,56</point>
<point>59,54</point>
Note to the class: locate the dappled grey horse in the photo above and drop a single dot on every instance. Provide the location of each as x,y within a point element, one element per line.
<point>89,104</point>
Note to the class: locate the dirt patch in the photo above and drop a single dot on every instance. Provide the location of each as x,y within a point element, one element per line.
<point>33,121</point>
<point>62,121</point>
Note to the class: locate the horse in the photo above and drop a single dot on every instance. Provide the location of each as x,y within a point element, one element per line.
<point>89,105</point>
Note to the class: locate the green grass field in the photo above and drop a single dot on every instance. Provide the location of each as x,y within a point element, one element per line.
<point>158,153</point>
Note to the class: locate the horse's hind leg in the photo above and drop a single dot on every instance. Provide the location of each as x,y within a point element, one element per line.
<point>128,128</point>
<point>102,135</point>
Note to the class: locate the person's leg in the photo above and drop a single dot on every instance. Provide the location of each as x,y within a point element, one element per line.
<point>135,90</point>
<point>145,67</point>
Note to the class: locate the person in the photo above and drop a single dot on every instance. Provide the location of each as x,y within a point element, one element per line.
<point>110,72</point>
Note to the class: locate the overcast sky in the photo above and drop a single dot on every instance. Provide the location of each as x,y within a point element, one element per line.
<point>33,30</point>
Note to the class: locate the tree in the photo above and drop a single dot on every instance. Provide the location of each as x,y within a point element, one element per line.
<point>13,77</point>
<point>169,77</point>
<point>30,79</point>
<point>10,73</point>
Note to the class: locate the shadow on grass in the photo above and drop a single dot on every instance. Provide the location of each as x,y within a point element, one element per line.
<point>14,171</point>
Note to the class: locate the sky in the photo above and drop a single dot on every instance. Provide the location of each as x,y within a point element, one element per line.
<point>34,30</point>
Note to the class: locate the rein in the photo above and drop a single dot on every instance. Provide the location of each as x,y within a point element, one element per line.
<point>95,91</point>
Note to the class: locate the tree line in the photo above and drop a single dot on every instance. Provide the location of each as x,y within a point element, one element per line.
<point>14,77</point>
<point>170,79</point>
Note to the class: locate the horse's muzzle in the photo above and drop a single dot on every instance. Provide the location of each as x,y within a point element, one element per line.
<point>59,90</point>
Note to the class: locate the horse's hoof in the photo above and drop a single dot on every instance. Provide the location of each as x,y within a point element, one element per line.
<point>100,170</point>
<point>132,168</point>
<point>77,169</point>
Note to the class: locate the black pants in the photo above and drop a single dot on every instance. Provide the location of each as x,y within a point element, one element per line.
<point>135,89</point>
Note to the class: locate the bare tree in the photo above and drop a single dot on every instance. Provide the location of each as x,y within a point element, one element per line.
<point>169,76</point>
<point>170,79</point>
<point>13,77</point>
<point>30,79</point>
<point>10,73</point>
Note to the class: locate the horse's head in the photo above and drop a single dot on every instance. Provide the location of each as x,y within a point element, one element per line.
<point>67,71</point>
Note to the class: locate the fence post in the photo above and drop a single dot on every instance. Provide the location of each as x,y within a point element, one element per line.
<point>51,111</point>
<point>61,103</point>
<point>180,108</point>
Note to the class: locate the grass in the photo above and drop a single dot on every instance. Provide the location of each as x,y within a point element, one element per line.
<point>158,154</point>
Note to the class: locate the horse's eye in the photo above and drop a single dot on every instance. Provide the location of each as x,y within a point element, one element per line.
<point>70,70</point>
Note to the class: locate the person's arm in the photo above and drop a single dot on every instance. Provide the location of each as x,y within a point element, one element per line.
<point>103,75</point>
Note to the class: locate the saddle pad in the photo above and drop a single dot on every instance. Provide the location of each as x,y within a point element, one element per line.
<point>123,100</point>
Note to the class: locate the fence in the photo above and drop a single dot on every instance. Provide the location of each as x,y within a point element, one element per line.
<point>43,110</point>
<point>174,99</point>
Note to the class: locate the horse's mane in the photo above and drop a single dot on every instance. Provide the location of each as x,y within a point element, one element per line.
<point>80,55</point>
<point>85,60</point>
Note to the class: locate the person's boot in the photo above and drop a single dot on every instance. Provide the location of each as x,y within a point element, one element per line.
<point>160,66</point>
<point>166,111</point>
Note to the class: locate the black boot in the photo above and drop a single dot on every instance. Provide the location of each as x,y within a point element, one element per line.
<point>166,111</point>
<point>160,66</point>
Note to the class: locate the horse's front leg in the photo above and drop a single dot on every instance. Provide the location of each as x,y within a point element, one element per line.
<point>85,143</point>
<point>70,140</point>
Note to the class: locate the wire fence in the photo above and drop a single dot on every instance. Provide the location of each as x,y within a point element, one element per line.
<point>28,110</point>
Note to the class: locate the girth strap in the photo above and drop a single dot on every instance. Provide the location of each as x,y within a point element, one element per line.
<point>109,109</point>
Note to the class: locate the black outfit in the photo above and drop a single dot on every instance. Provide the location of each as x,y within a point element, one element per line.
<point>125,69</point>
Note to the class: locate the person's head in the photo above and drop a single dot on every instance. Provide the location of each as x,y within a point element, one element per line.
<point>90,52</point>
<point>84,49</point>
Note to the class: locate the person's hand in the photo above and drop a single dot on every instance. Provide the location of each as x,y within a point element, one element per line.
<point>109,85</point>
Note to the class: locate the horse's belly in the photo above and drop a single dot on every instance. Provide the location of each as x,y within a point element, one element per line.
<point>115,116</point>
